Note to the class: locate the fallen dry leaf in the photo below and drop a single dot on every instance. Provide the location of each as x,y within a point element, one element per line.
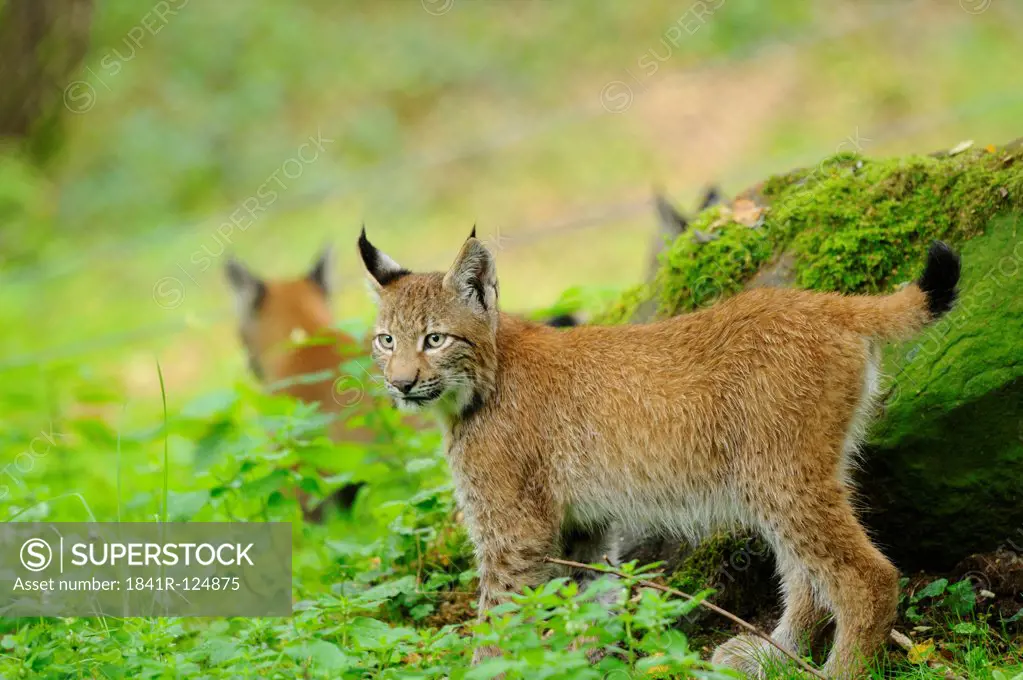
<point>921,651</point>
<point>960,147</point>
<point>746,212</point>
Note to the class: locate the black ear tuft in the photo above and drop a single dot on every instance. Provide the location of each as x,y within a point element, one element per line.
<point>236,272</point>
<point>670,218</point>
<point>940,278</point>
<point>321,273</point>
<point>473,234</point>
<point>366,250</point>
<point>712,196</point>
<point>249,290</point>
<point>381,268</point>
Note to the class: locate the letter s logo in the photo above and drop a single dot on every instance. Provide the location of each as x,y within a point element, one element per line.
<point>36,554</point>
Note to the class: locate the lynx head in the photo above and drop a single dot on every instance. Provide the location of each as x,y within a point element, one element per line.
<point>435,335</point>
<point>272,313</point>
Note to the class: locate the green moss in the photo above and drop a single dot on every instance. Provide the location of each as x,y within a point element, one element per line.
<point>946,461</point>
<point>739,569</point>
<point>694,275</point>
<point>853,225</point>
<point>701,568</point>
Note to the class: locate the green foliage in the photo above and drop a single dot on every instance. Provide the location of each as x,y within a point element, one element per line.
<point>957,599</point>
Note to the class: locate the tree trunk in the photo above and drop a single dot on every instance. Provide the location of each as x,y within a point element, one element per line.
<point>42,43</point>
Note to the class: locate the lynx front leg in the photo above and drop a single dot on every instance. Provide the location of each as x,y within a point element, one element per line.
<point>511,548</point>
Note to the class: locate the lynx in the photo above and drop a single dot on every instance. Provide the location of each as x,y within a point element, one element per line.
<point>747,412</point>
<point>286,328</point>
<point>672,224</point>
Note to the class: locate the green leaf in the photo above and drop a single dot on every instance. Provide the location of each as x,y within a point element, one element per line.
<point>222,651</point>
<point>186,505</point>
<point>491,668</point>
<point>209,405</point>
<point>390,589</point>
<point>965,628</point>
<point>932,589</point>
<point>370,634</point>
<point>322,654</point>
<point>417,465</point>
<point>421,611</point>
<point>112,672</point>
<point>960,598</point>
<point>209,450</point>
<point>262,487</point>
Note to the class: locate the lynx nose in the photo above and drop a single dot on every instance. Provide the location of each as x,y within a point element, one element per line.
<point>404,385</point>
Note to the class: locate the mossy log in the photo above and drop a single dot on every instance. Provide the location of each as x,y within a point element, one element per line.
<point>942,470</point>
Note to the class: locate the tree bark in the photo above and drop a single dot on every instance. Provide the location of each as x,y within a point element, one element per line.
<point>42,42</point>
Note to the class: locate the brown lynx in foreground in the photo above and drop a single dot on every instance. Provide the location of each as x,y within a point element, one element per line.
<point>748,412</point>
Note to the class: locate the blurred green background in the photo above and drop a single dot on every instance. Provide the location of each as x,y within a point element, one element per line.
<point>545,123</point>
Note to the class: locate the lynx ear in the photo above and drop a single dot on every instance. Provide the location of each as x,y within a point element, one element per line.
<point>672,221</point>
<point>382,269</point>
<point>322,273</point>
<point>711,196</point>
<point>249,290</point>
<point>473,276</point>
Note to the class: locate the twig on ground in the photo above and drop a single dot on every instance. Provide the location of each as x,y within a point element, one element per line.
<point>900,640</point>
<point>703,603</point>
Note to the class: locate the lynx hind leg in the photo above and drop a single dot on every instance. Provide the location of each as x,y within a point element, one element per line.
<point>593,545</point>
<point>801,620</point>
<point>755,658</point>
<point>819,531</point>
<point>804,614</point>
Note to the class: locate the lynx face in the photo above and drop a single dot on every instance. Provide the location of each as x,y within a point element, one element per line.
<point>435,333</point>
<point>271,313</point>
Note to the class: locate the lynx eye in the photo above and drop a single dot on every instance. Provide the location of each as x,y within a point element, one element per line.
<point>434,340</point>
<point>385,341</point>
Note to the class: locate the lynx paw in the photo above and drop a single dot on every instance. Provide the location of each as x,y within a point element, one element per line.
<point>484,653</point>
<point>747,654</point>
<point>593,654</point>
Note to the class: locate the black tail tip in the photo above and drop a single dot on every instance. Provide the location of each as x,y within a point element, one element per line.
<point>940,278</point>
<point>563,321</point>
